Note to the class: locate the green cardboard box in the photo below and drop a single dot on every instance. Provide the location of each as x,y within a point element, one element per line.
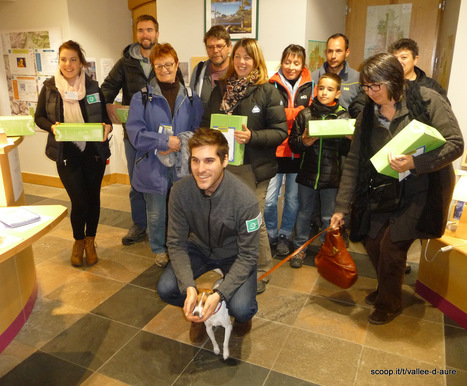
<point>67,132</point>
<point>416,137</point>
<point>228,124</point>
<point>331,128</point>
<point>122,113</point>
<point>17,125</point>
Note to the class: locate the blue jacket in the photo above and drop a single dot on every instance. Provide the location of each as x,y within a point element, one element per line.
<point>149,174</point>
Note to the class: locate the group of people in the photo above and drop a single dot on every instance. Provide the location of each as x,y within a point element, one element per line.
<point>201,213</point>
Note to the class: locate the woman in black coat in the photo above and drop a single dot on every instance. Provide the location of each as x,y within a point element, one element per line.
<point>417,206</point>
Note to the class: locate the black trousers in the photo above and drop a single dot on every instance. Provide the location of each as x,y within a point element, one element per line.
<point>82,177</point>
<point>389,259</point>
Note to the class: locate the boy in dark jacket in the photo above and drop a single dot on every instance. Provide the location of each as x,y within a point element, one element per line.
<point>319,174</point>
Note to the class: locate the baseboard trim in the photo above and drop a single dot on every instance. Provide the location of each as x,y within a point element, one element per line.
<point>39,179</point>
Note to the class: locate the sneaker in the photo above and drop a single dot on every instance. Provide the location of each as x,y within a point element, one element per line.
<point>272,241</point>
<point>371,298</point>
<point>135,234</point>
<point>297,260</point>
<point>283,246</point>
<point>261,287</point>
<point>241,329</point>
<point>381,317</point>
<point>162,259</point>
<point>197,332</point>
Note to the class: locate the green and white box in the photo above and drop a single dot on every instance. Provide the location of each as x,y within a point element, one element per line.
<point>416,137</point>
<point>68,132</point>
<point>17,125</point>
<point>122,113</point>
<point>331,128</point>
<point>228,124</point>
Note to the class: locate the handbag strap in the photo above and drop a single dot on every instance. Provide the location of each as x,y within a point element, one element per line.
<point>292,254</point>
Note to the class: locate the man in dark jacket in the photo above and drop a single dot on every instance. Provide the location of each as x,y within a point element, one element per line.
<point>406,50</point>
<point>131,73</point>
<point>214,223</point>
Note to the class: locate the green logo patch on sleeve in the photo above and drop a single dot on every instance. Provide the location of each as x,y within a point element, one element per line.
<point>254,224</point>
<point>93,98</point>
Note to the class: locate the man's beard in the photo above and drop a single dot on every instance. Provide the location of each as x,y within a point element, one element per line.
<point>147,47</point>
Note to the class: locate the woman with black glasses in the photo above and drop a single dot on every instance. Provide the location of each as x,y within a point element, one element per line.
<point>158,121</point>
<point>387,215</point>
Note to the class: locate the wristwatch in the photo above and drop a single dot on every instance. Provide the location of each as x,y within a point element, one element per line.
<point>220,294</point>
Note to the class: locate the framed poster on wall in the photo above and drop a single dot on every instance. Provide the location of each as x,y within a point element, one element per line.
<point>239,17</point>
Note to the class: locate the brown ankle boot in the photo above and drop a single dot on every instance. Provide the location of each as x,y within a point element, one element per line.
<point>77,253</point>
<point>90,248</point>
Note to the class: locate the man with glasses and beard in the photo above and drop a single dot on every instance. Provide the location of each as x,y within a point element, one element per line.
<point>218,47</point>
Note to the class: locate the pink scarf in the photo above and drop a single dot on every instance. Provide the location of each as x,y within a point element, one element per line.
<point>71,107</point>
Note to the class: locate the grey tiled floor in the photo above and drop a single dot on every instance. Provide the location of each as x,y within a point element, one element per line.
<point>105,325</point>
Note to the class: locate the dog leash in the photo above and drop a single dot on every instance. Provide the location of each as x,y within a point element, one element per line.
<point>292,254</point>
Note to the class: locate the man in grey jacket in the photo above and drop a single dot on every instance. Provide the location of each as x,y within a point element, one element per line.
<point>218,48</point>
<point>214,223</point>
<point>131,73</point>
<point>337,51</point>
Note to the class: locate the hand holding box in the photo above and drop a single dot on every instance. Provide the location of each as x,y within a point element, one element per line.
<point>331,128</point>
<point>227,124</point>
<point>416,137</point>
<point>70,132</point>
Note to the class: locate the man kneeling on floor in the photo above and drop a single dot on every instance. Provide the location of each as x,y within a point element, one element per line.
<point>214,222</point>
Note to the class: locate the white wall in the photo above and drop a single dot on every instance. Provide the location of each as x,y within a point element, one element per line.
<point>102,27</point>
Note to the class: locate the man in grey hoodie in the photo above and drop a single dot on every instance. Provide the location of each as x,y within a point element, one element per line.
<point>131,73</point>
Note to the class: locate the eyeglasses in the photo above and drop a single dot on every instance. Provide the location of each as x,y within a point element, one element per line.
<point>217,47</point>
<point>372,87</point>
<point>167,66</point>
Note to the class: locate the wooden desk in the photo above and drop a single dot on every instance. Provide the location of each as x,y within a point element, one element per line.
<point>18,285</point>
<point>442,276</point>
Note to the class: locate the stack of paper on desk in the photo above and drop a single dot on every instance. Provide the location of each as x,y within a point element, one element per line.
<point>416,138</point>
<point>228,124</point>
<point>17,125</point>
<point>66,132</point>
<point>331,128</point>
<point>17,216</point>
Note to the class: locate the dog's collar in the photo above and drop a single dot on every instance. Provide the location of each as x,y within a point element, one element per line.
<point>219,305</point>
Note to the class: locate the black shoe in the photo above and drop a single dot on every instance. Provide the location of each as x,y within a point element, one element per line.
<point>261,287</point>
<point>408,269</point>
<point>381,317</point>
<point>283,246</point>
<point>298,259</point>
<point>272,241</point>
<point>135,234</point>
<point>371,298</point>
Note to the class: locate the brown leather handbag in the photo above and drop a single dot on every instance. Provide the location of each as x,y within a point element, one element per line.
<point>334,262</point>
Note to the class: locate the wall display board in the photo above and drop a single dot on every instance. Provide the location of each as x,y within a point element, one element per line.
<point>316,54</point>
<point>30,57</point>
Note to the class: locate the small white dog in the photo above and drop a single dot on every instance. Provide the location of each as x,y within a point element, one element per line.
<point>220,317</point>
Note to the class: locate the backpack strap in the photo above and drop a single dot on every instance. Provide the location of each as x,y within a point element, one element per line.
<point>144,96</point>
<point>198,71</point>
<point>189,92</point>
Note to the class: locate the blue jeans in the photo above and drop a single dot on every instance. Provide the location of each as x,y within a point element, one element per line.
<point>137,202</point>
<point>306,199</point>
<point>289,214</point>
<point>242,305</point>
<point>156,210</point>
